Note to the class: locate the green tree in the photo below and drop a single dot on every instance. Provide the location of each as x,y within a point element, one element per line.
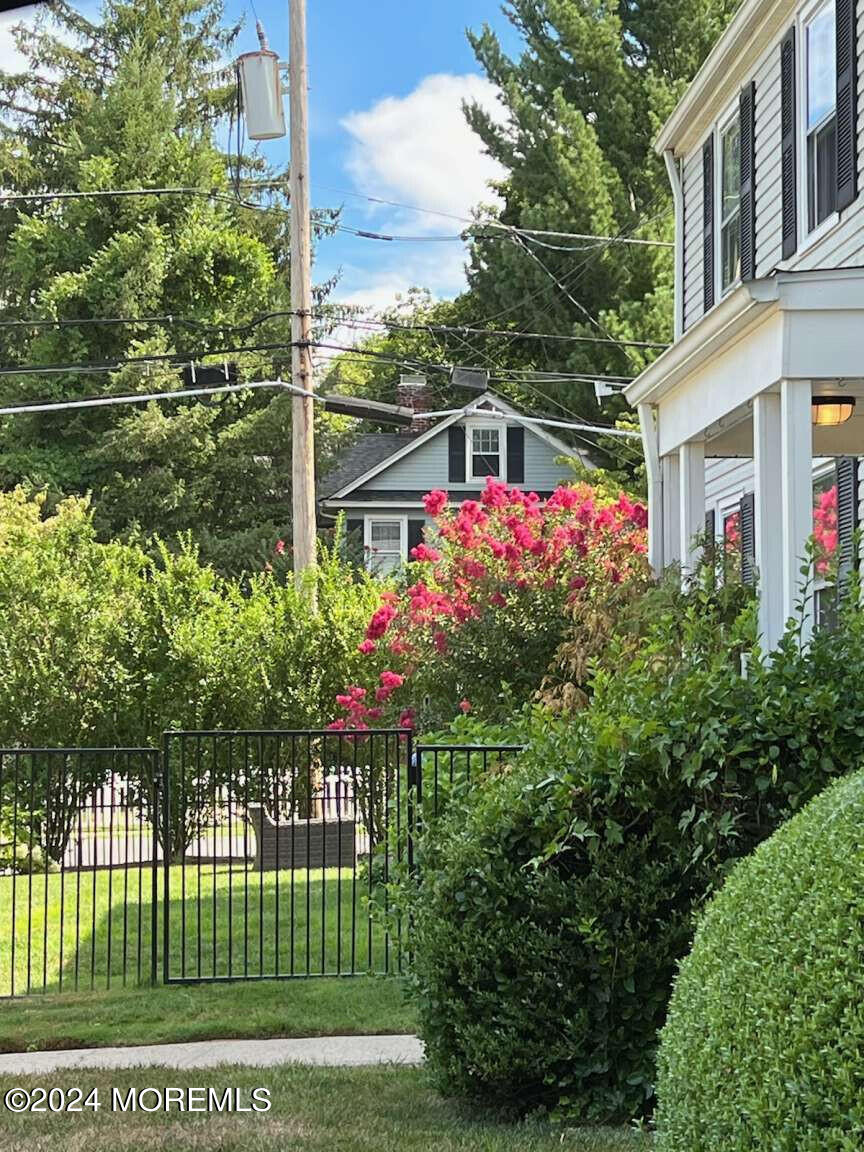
<point>582,105</point>
<point>134,99</point>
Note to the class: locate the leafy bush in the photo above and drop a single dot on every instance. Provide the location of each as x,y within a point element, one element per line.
<point>539,984</point>
<point>762,1049</point>
<point>557,902</point>
<point>503,576</point>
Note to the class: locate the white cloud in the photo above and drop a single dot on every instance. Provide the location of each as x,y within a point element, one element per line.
<point>419,149</point>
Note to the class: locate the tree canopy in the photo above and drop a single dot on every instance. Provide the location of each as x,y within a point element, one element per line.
<point>135,98</point>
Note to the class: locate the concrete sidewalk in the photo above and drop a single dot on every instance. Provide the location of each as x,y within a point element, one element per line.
<point>321,1050</point>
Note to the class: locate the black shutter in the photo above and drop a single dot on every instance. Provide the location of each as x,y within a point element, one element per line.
<point>456,454</point>
<point>747,532</point>
<point>847,103</point>
<point>747,114</point>
<point>515,454</point>
<point>788,150</point>
<point>710,538</point>
<point>708,223</point>
<point>415,534</point>
<point>354,541</point>
<point>847,517</point>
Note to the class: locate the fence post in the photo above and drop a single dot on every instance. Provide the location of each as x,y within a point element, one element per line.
<point>166,851</point>
<point>414,773</point>
<point>155,786</point>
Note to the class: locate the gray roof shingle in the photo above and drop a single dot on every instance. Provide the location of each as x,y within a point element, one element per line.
<point>365,453</point>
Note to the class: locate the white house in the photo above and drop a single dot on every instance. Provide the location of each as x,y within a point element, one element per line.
<point>760,393</point>
<point>380,484</point>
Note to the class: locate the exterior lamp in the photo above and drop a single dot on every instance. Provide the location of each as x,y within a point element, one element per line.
<point>829,411</point>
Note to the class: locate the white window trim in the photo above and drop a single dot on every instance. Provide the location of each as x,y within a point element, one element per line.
<point>500,426</point>
<point>731,113</point>
<point>807,239</point>
<point>402,521</point>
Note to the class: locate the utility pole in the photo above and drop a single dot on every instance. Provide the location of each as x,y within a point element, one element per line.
<point>302,414</point>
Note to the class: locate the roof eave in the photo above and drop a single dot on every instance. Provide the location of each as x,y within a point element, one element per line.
<point>723,73</point>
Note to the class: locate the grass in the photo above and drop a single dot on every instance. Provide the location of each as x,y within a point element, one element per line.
<point>390,1109</point>
<point>78,930</point>
<point>167,1014</point>
<point>84,954</point>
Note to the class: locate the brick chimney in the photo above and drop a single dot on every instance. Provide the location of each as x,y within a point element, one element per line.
<point>413,391</point>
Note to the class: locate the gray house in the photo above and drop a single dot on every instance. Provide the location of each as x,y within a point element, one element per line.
<point>381,483</point>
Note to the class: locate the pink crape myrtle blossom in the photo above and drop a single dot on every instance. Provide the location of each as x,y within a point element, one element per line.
<point>508,552</point>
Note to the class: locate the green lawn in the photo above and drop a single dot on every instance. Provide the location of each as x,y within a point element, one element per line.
<point>390,1109</point>
<point>328,1007</point>
<point>232,921</point>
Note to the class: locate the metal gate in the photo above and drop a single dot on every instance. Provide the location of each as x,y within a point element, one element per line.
<point>279,848</point>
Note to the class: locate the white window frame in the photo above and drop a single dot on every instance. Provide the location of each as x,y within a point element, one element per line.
<point>731,114</point>
<point>402,521</point>
<point>805,18</point>
<point>498,426</point>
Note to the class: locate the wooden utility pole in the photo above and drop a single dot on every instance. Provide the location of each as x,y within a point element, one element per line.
<point>303,434</point>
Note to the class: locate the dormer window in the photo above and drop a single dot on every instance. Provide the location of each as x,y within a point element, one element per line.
<point>820,112</point>
<point>485,452</point>
<point>730,204</point>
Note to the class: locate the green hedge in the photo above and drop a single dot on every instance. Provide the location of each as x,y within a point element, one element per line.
<point>556,901</point>
<point>763,1046</point>
<point>540,987</point>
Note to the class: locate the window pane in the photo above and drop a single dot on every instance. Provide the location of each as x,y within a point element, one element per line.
<point>821,68</point>
<point>730,256</point>
<point>386,534</point>
<point>486,465</point>
<point>825,527</point>
<point>730,180</point>
<point>485,439</point>
<point>821,173</point>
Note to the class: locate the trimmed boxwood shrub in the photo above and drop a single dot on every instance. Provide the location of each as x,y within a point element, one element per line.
<point>763,1045</point>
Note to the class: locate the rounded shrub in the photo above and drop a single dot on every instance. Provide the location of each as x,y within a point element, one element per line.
<point>543,973</point>
<point>763,1045</point>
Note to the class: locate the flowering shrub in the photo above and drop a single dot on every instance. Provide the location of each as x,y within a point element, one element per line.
<point>825,531</point>
<point>490,597</point>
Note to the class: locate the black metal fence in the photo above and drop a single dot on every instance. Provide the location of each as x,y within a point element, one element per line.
<point>281,846</point>
<point>79,861</point>
<point>270,853</point>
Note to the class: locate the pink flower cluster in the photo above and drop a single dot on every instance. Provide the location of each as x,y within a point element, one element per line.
<point>488,555</point>
<point>825,529</point>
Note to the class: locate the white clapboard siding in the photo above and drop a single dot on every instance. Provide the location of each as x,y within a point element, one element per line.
<point>842,246</point>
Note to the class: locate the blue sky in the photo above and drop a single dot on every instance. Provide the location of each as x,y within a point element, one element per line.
<point>387,80</point>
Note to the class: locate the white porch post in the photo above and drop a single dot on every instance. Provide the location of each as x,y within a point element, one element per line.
<point>768,501</point>
<point>671,505</point>
<point>648,424</point>
<point>691,509</point>
<point>796,473</point>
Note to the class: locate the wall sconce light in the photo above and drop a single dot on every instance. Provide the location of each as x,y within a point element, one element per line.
<point>829,411</point>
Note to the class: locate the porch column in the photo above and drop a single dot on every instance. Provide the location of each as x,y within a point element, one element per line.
<point>768,502</point>
<point>648,425</point>
<point>796,477</point>
<point>691,468</point>
<point>671,504</point>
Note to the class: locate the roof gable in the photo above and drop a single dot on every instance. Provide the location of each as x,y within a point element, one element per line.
<point>481,406</point>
